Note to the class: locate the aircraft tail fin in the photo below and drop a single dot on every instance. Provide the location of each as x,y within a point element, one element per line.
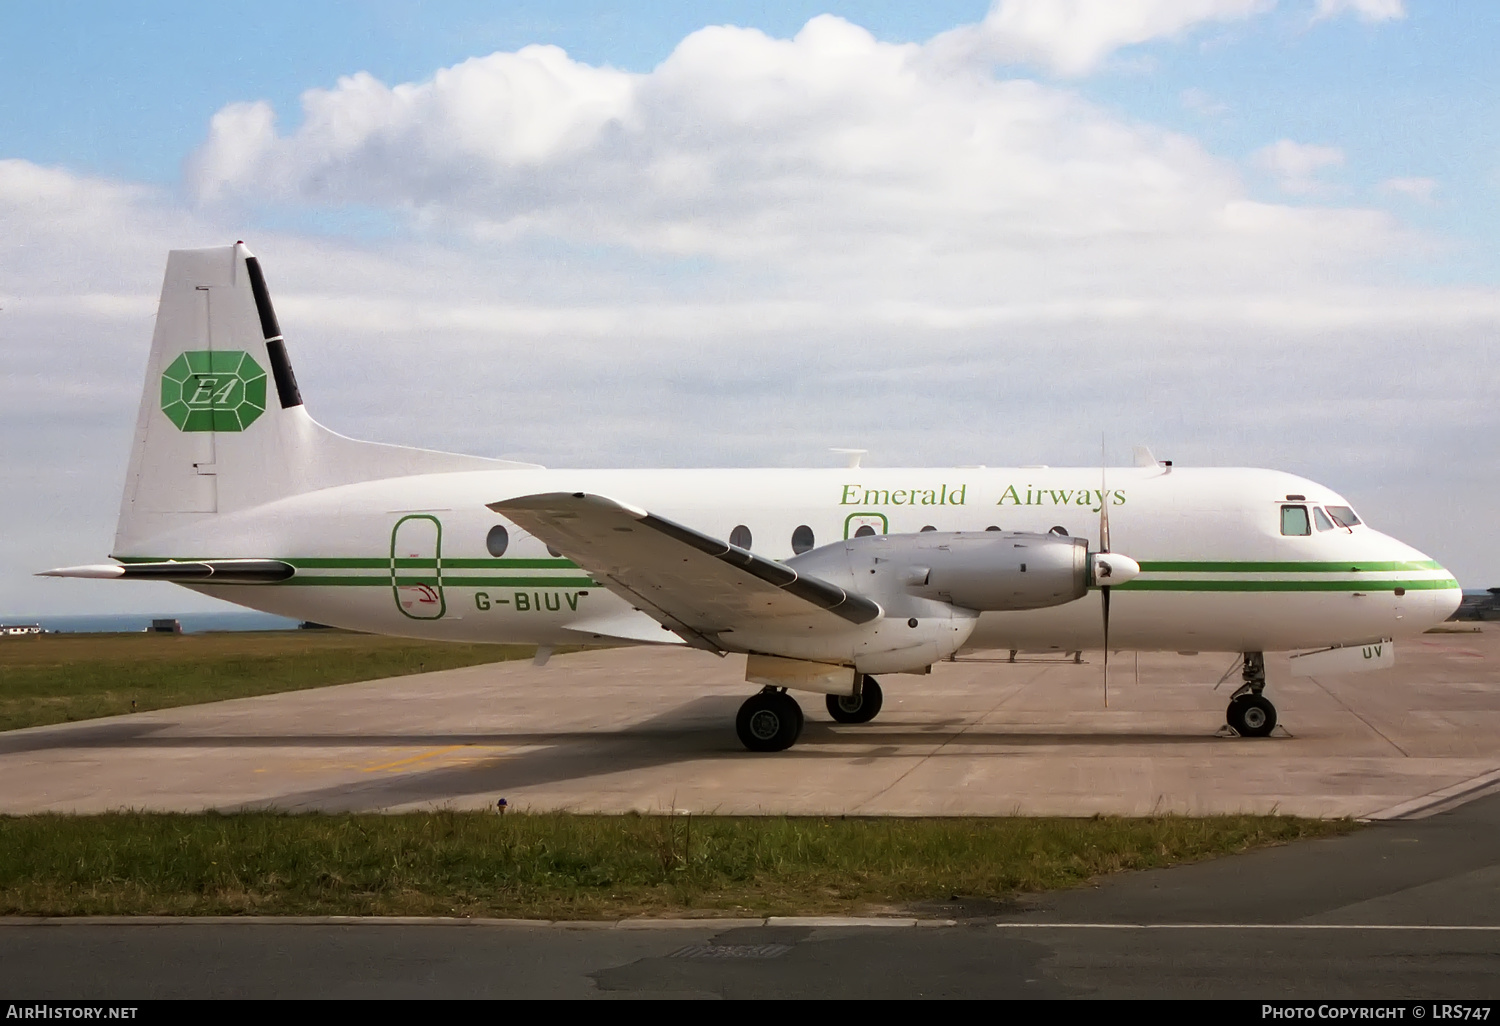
<point>221,425</point>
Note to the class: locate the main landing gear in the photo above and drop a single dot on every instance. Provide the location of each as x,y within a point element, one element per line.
<point>1250,713</point>
<point>769,722</point>
<point>860,708</point>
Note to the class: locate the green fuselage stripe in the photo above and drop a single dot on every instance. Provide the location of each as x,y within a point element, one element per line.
<point>382,563</point>
<point>1293,567</point>
<point>1242,585</point>
<point>449,581</point>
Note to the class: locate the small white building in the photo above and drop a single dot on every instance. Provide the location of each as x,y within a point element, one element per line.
<point>17,630</point>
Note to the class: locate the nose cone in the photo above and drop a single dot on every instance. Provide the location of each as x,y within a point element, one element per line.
<point>1444,602</point>
<point>1112,568</point>
<point>1432,593</point>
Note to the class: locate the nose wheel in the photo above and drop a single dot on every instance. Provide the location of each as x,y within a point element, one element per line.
<point>860,708</point>
<point>769,722</point>
<point>1251,713</point>
<point>1251,716</point>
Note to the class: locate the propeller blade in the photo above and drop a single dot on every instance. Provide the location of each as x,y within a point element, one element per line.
<point>1104,593</point>
<point>1104,548</point>
<point>1103,502</point>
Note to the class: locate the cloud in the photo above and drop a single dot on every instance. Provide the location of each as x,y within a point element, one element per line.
<point>1367,10</point>
<point>1074,37</point>
<point>1419,189</point>
<point>1297,165</point>
<point>569,357</point>
<point>832,163</point>
<point>785,244</point>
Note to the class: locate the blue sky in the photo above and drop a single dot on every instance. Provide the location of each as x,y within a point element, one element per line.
<point>1416,97</point>
<point>1247,232</point>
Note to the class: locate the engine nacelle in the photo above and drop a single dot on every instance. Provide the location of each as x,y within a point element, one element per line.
<point>980,570</point>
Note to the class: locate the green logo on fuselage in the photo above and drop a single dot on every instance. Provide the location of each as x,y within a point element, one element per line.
<point>213,391</point>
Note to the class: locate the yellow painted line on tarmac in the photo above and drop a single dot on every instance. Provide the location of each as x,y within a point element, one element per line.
<point>490,750</point>
<point>413,759</point>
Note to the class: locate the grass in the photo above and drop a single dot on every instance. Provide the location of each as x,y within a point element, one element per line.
<point>563,866</point>
<point>56,678</point>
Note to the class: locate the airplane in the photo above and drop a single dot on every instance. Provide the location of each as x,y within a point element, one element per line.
<point>823,579</point>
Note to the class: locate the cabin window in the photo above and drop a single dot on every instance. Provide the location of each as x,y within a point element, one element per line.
<point>497,541</point>
<point>1321,519</point>
<point>1343,516</point>
<point>929,527</point>
<point>1059,530</point>
<point>553,552</point>
<point>740,537</point>
<point>992,527</point>
<point>802,539</point>
<point>864,531</point>
<point>1294,521</point>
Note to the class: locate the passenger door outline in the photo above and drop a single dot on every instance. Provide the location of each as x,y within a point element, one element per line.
<point>418,593</point>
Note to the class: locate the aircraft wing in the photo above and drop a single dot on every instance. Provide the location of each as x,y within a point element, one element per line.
<point>693,584</point>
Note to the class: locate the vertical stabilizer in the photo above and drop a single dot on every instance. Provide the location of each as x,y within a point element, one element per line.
<point>221,427</point>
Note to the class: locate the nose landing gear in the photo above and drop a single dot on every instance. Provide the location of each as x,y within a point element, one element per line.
<point>860,708</point>
<point>1250,713</point>
<point>770,721</point>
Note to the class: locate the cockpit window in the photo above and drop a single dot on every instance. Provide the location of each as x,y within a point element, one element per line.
<point>1343,516</point>
<point>1321,519</point>
<point>1294,520</point>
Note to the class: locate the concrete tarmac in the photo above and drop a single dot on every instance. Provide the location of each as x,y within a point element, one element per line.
<point>1400,910</point>
<point>652,730</point>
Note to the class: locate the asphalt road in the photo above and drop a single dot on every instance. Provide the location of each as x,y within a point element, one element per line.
<point>1397,910</point>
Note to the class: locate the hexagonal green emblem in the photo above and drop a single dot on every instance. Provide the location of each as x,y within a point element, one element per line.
<point>213,391</point>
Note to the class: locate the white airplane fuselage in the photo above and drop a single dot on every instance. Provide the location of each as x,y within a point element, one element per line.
<point>1217,573</point>
<point>234,490</point>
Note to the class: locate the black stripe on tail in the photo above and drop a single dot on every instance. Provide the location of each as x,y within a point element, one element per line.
<point>281,367</point>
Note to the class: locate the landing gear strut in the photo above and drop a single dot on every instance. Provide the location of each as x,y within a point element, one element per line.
<point>860,708</point>
<point>769,722</point>
<point>1250,713</point>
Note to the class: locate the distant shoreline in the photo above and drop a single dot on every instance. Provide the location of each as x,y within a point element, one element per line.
<point>127,623</point>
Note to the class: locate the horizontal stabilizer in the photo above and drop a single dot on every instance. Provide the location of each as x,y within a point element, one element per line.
<point>218,571</point>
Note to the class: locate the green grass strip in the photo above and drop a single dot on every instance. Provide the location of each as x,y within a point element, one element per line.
<point>560,866</point>
<point>56,678</point>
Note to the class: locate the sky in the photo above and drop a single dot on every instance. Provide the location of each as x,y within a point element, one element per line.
<point>1242,232</point>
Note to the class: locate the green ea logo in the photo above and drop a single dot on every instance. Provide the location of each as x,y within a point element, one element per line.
<point>213,391</point>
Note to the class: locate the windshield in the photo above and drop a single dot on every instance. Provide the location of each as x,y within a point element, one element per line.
<point>1343,516</point>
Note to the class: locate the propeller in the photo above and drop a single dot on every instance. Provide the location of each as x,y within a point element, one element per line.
<point>1103,570</point>
<point>1108,567</point>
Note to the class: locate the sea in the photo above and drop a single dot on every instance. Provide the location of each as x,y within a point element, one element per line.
<point>192,623</point>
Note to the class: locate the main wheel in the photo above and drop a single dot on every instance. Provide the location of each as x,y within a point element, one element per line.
<point>769,722</point>
<point>1251,716</point>
<point>861,708</point>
